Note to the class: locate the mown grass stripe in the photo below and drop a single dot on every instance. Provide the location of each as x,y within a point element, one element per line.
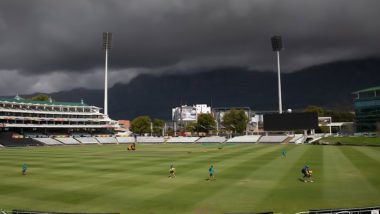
<point>258,184</point>
<point>93,178</point>
<point>372,152</point>
<point>92,182</point>
<point>225,176</point>
<point>344,182</point>
<point>368,166</point>
<point>289,189</point>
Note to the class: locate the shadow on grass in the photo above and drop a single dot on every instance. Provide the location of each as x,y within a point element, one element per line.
<point>208,179</point>
<point>301,180</point>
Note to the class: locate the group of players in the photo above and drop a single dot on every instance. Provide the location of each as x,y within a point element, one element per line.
<point>306,171</point>
<point>210,171</point>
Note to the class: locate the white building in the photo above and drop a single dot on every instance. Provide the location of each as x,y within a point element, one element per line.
<point>23,115</point>
<point>187,113</point>
<point>202,109</point>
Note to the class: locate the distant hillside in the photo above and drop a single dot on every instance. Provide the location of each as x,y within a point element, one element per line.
<point>328,85</point>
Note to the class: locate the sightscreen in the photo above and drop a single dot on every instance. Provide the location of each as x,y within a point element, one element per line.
<point>290,121</point>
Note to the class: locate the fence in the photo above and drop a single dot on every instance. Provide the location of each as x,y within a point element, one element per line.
<point>364,210</point>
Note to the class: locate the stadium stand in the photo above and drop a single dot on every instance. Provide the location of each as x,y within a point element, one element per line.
<point>244,139</point>
<point>297,139</point>
<point>150,140</point>
<point>211,139</point>
<point>182,140</point>
<point>48,141</point>
<point>67,140</point>
<point>57,134</point>
<point>316,137</point>
<point>80,134</point>
<point>34,135</point>
<point>273,139</point>
<point>107,140</point>
<point>125,139</point>
<point>7,140</point>
<point>87,140</point>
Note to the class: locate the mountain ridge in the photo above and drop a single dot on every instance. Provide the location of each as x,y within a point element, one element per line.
<point>328,85</point>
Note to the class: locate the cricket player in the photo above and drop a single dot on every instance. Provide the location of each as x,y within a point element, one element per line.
<point>283,153</point>
<point>307,172</point>
<point>24,168</point>
<point>171,171</point>
<point>211,173</point>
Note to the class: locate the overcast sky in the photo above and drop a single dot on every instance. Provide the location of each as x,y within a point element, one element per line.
<point>50,45</point>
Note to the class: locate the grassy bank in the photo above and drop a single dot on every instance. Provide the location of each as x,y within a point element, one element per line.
<point>360,141</point>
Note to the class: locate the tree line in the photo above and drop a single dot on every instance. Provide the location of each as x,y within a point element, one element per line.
<point>234,122</point>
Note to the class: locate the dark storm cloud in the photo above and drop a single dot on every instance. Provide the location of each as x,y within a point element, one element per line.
<point>45,37</point>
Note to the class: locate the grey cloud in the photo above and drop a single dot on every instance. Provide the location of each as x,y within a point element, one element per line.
<point>41,37</point>
<point>13,82</point>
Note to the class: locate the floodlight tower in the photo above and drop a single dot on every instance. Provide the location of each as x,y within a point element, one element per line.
<point>277,47</point>
<point>107,45</point>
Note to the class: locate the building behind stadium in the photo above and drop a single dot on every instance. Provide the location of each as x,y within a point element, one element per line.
<point>367,109</point>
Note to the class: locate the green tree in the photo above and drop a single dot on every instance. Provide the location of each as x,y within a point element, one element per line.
<point>170,132</point>
<point>339,116</point>
<point>324,129</point>
<point>141,125</point>
<point>319,110</point>
<point>205,123</point>
<point>40,97</point>
<point>191,127</point>
<point>158,126</point>
<point>235,121</point>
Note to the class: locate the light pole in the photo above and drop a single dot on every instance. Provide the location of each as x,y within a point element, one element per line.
<point>277,47</point>
<point>107,45</point>
<point>175,129</point>
<point>217,128</point>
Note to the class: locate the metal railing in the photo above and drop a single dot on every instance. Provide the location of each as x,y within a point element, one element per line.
<point>363,210</point>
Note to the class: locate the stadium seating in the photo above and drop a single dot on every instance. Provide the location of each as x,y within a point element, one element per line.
<point>68,140</point>
<point>48,141</point>
<point>7,141</point>
<point>107,140</point>
<point>297,139</point>
<point>34,135</point>
<point>87,140</point>
<point>244,139</point>
<point>182,140</point>
<point>273,139</point>
<point>80,134</point>
<point>150,140</point>
<point>125,139</point>
<point>314,138</point>
<point>211,139</point>
<point>58,134</point>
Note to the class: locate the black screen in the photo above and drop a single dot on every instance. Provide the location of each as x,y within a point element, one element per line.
<point>290,121</point>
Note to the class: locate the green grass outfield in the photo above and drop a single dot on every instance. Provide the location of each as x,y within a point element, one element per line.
<point>249,178</point>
